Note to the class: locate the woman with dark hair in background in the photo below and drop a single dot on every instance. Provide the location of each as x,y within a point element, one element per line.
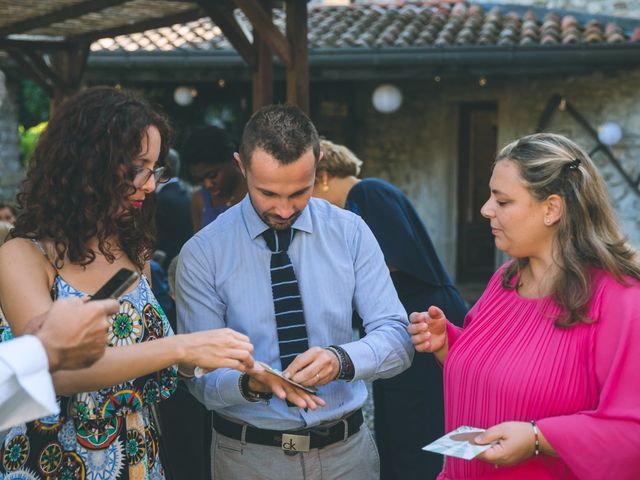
<point>85,215</point>
<point>208,154</point>
<point>548,358</point>
<point>402,425</point>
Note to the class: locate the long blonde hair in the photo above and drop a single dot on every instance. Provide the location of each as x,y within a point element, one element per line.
<point>587,236</point>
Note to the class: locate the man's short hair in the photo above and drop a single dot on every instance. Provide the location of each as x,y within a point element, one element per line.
<point>283,131</point>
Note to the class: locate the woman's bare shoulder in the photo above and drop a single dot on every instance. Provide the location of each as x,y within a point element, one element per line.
<point>24,254</point>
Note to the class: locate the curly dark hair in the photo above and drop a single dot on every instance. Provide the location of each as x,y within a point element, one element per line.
<point>80,178</point>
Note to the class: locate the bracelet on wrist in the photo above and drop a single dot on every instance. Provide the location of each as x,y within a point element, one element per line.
<point>536,439</point>
<point>347,370</point>
<point>183,375</point>
<point>337,355</point>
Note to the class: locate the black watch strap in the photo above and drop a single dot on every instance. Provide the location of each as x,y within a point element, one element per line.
<point>247,394</point>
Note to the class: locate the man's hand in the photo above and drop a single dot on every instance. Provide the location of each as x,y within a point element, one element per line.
<point>262,381</point>
<point>316,366</point>
<point>74,331</point>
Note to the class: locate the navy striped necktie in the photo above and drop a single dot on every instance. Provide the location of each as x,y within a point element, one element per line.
<point>292,331</point>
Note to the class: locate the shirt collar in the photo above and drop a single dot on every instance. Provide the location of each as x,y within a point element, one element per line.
<point>255,225</point>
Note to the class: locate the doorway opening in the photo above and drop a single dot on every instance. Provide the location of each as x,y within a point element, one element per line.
<point>477,146</point>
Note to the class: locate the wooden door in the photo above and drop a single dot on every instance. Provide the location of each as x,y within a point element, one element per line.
<point>477,146</point>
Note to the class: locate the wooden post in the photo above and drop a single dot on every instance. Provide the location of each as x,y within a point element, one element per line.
<point>298,71</point>
<point>67,69</point>
<point>262,76</point>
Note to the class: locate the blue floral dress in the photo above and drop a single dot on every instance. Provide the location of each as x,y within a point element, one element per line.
<point>109,434</point>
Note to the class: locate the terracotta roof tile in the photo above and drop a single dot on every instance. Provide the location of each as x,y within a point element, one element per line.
<point>396,25</point>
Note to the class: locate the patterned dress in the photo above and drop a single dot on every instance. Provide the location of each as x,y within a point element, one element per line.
<point>109,434</point>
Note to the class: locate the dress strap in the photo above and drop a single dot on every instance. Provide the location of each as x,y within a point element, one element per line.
<point>52,288</point>
<point>39,246</point>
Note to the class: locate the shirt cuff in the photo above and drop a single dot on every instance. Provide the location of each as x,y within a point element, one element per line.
<point>363,359</point>
<point>224,389</point>
<point>27,359</point>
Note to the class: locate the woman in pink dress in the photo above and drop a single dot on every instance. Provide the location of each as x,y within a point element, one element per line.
<point>547,360</point>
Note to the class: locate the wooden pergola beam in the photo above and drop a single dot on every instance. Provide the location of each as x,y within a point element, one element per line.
<point>60,15</point>
<point>37,60</point>
<point>262,78</point>
<point>33,73</point>
<point>182,17</point>
<point>298,71</point>
<point>68,66</point>
<point>223,17</point>
<point>12,43</point>
<point>263,24</point>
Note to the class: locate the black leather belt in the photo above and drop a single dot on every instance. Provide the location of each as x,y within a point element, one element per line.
<point>291,441</point>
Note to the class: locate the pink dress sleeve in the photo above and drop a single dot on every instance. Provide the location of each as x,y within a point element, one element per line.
<point>605,442</point>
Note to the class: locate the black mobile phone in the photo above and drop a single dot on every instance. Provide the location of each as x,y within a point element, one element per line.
<point>116,285</point>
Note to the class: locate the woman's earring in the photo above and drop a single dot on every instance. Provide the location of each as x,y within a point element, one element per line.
<point>325,186</point>
<point>547,221</point>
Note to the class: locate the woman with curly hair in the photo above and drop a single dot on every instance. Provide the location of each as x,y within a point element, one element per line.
<point>548,358</point>
<point>85,213</point>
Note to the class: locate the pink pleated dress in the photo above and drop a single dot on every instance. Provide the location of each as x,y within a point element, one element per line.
<point>580,384</point>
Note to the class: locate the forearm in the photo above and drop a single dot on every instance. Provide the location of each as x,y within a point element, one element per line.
<point>441,354</point>
<point>218,389</point>
<point>382,353</point>
<point>120,364</point>
<point>545,447</point>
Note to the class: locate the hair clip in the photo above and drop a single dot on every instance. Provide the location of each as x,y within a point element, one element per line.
<point>574,164</point>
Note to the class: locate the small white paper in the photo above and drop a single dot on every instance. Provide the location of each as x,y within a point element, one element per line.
<point>460,447</point>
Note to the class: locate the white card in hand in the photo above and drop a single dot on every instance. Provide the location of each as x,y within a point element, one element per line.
<point>458,443</point>
<point>278,373</point>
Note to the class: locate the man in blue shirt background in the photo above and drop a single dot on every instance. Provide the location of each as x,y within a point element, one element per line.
<point>264,427</point>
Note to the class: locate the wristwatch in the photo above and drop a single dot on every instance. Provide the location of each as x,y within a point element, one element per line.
<point>248,395</point>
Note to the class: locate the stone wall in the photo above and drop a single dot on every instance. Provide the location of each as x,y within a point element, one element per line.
<point>11,172</point>
<point>416,147</point>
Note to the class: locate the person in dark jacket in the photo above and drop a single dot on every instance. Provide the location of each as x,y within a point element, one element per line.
<point>409,408</point>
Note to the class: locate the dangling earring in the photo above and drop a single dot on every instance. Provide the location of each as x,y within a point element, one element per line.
<point>325,186</point>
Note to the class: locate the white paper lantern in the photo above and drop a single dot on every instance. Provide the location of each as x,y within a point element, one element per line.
<point>609,133</point>
<point>387,98</point>
<point>183,96</point>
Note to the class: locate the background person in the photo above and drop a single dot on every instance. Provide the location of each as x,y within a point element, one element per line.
<point>208,154</point>
<point>547,361</point>
<point>85,215</point>
<point>400,403</point>
<point>173,211</point>
<point>8,213</point>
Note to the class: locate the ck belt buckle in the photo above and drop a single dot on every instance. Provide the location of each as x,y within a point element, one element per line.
<point>292,444</point>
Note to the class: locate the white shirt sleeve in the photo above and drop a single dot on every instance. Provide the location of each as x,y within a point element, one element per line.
<point>26,387</point>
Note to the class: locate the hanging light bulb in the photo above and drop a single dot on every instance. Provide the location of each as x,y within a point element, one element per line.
<point>609,133</point>
<point>387,98</point>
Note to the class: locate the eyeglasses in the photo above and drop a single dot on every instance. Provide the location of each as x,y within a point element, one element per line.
<point>141,176</point>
